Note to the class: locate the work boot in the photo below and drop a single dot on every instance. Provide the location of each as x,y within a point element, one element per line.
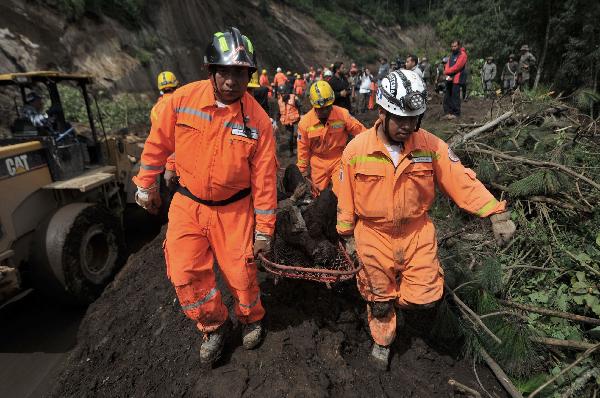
<point>252,334</point>
<point>212,346</point>
<point>380,356</point>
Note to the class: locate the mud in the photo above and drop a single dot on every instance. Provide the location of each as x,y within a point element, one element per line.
<point>135,342</point>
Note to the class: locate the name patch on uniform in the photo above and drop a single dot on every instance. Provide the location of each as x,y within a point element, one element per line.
<point>422,159</point>
<point>241,133</point>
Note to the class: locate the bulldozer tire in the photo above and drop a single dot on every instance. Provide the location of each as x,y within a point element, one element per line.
<point>81,248</point>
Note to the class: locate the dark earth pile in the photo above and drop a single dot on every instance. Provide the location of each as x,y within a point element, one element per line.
<point>134,342</point>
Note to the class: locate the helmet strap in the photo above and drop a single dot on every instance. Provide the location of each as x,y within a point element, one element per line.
<point>419,121</point>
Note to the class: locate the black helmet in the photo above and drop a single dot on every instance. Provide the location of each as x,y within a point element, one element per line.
<point>231,48</point>
<point>31,96</point>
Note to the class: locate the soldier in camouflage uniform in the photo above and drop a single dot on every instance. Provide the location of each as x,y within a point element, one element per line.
<point>509,74</point>
<point>488,74</point>
<point>526,64</point>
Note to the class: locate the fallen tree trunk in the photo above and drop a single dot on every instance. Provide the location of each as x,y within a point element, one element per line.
<point>578,345</point>
<point>488,126</point>
<point>500,375</point>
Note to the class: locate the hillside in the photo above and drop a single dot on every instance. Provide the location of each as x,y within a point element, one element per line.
<point>173,35</point>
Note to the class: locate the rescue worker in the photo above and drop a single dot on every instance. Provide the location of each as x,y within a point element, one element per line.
<point>455,74</point>
<point>426,69</point>
<point>289,115</point>
<point>526,64</point>
<point>384,69</point>
<point>225,156</point>
<point>299,85</point>
<point>278,80</point>
<point>488,74</point>
<point>386,186</point>
<point>166,83</point>
<point>509,74</point>
<point>264,81</point>
<point>322,135</point>
<point>259,91</point>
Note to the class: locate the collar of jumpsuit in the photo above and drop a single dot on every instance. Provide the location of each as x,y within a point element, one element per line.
<point>376,146</point>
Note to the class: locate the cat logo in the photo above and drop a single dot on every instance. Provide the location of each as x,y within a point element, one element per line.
<point>17,164</point>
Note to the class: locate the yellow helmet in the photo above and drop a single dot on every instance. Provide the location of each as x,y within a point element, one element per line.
<point>264,71</point>
<point>253,83</point>
<point>321,94</point>
<point>166,79</point>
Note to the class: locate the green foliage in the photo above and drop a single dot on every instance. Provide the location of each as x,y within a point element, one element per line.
<point>545,182</point>
<point>129,111</point>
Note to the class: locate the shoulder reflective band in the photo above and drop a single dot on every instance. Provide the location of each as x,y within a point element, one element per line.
<point>368,159</point>
<point>191,111</point>
<point>222,41</point>
<point>250,46</point>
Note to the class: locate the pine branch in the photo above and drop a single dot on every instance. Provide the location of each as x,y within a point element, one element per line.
<point>578,345</point>
<point>464,389</point>
<point>500,375</point>
<point>488,126</point>
<point>546,311</point>
<point>565,370</point>
<point>541,163</point>
<point>473,316</point>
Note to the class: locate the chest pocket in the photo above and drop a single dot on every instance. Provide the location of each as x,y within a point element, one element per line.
<point>189,141</point>
<point>420,189</point>
<point>372,192</point>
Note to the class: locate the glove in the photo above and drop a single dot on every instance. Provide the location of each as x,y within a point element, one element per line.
<point>503,227</point>
<point>171,179</point>
<point>300,191</point>
<point>350,246</point>
<point>149,198</point>
<point>262,243</point>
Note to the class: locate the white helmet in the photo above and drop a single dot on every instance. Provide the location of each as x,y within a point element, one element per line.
<point>327,73</point>
<point>402,93</point>
<point>278,69</point>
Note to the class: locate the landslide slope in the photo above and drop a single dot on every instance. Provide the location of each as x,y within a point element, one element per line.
<point>172,35</point>
<point>135,342</point>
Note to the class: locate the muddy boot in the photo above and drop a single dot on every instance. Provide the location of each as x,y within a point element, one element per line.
<point>252,335</point>
<point>212,346</point>
<point>380,356</point>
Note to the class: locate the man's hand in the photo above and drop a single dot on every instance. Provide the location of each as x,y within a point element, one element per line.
<point>350,246</point>
<point>503,227</point>
<point>149,198</point>
<point>171,179</point>
<point>343,93</point>
<point>262,243</point>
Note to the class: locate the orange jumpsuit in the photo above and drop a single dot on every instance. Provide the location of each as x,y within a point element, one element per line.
<point>288,112</point>
<point>280,79</point>
<point>264,81</point>
<point>299,86</point>
<point>385,207</point>
<point>215,159</point>
<point>321,146</point>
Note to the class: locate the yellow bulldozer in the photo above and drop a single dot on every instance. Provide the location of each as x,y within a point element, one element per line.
<point>63,191</point>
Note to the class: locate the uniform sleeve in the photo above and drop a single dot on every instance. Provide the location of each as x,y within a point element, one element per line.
<point>345,210</point>
<point>263,180</point>
<point>303,149</point>
<point>159,145</point>
<point>353,126</point>
<point>461,184</point>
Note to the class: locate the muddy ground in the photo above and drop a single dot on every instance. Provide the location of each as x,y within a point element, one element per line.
<point>135,341</point>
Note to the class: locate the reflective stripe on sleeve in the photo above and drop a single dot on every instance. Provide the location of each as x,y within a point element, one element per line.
<point>194,112</point>
<point>346,225</point>
<point>487,207</point>
<point>252,304</point>
<point>149,167</point>
<point>204,300</point>
<point>264,212</point>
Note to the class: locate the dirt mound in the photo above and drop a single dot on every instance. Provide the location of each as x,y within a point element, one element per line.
<point>135,341</point>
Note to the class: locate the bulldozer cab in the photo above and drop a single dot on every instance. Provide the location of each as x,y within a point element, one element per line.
<point>37,114</point>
